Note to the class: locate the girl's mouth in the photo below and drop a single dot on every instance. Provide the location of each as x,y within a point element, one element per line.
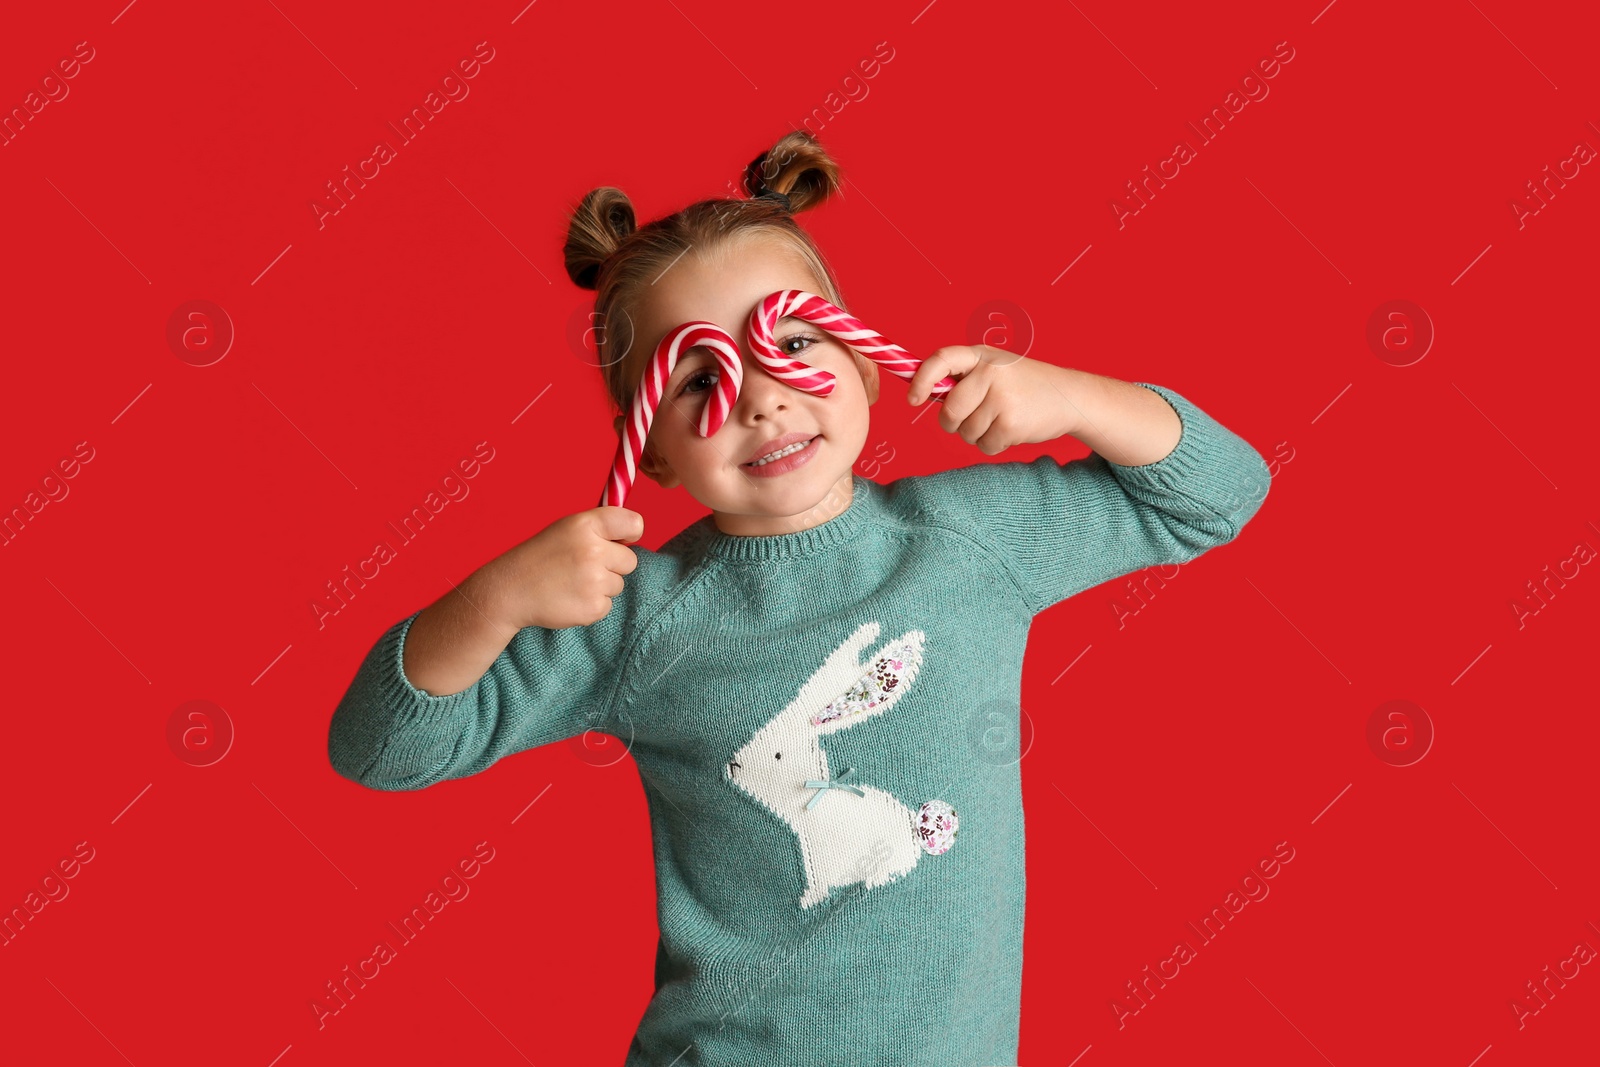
<point>784,459</point>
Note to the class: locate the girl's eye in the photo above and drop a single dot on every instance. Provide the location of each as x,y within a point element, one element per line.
<point>689,382</point>
<point>783,346</point>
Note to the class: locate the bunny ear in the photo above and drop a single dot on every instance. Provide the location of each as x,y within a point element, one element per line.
<point>882,683</point>
<point>848,654</point>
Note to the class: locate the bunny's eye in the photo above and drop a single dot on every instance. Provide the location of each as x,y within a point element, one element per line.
<point>777,755</point>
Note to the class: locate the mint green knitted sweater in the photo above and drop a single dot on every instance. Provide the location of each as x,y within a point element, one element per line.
<point>822,721</point>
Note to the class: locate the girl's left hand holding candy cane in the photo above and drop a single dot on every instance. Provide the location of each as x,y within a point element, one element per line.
<point>1001,399</point>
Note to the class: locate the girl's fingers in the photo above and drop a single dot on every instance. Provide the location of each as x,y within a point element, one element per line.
<point>954,360</point>
<point>987,434</point>
<point>962,411</point>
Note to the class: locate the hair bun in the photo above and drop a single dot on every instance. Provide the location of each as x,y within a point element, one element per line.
<point>782,198</point>
<point>595,230</point>
<point>797,169</point>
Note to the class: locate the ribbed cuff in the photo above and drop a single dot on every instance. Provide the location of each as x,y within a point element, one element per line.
<point>410,703</point>
<point>385,720</point>
<point>1211,465</point>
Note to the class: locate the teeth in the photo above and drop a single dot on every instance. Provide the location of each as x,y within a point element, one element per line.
<point>797,446</point>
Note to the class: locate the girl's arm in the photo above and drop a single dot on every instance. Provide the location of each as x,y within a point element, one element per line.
<point>545,685</point>
<point>453,641</point>
<point>1128,424</point>
<point>1171,484</point>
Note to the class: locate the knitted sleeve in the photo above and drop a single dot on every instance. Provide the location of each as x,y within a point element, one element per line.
<point>1062,528</point>
<point>546,685</point>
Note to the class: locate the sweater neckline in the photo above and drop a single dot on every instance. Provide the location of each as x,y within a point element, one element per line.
<point>841,528</point>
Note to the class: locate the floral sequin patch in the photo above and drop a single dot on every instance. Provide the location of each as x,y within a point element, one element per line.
<point>936,827</point>
<point>873,687</point>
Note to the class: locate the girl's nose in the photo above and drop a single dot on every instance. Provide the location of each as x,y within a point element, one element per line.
<point>760,393</point>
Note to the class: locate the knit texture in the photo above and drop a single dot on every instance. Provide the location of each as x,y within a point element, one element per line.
<point>825,724</point>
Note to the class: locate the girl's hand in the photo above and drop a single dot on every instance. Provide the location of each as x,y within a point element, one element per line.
<point>1000,399</point>
<point>565,575</point>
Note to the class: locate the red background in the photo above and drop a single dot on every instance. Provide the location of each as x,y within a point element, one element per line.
<point>1410,506</point>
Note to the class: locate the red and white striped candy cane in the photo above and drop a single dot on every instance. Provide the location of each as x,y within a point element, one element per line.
<point>785,303</point>
<point>647,398</point>
<point>843,326</point>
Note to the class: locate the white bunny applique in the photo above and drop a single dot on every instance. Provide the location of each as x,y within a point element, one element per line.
<point>848,832</point>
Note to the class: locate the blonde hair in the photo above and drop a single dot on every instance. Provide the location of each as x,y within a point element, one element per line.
<point>605,250</point>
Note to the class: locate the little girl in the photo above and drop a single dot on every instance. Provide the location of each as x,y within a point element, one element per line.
<point>809,677</point>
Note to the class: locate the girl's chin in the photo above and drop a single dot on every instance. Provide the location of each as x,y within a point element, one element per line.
<point>793,493</point>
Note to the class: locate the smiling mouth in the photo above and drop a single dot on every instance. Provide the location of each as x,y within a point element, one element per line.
<point>798,446</point>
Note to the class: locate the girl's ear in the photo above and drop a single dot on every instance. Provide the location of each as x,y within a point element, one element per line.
<point>869,376</point>
<point>649,462</point>
<point>656,467</point>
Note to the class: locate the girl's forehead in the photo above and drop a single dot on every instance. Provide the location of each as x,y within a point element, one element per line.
<point>728,303</point>
<point>722,285</point>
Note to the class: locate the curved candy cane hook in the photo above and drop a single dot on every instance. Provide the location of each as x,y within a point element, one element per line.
<point>647,398</point>
<point>844,326</point>
<point>784,303</point>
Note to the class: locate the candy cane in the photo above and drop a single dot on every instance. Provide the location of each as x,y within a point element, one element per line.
<point>786,302</point>
<point>624,469</point>
<point>842,325</point>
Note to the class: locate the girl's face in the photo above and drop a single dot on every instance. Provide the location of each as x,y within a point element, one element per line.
<point>786,496</point>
